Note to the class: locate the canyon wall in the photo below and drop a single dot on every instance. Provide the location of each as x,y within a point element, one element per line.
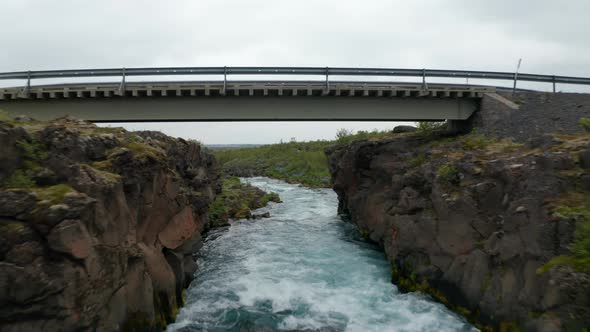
<point>496,230</point>
<point>97,225</point>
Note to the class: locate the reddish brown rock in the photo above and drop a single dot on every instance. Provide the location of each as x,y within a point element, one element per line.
<point>86,244</point>
<point>70,237</point>
<point>179,229</point>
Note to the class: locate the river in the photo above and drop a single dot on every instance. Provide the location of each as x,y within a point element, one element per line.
<point>303,269</point>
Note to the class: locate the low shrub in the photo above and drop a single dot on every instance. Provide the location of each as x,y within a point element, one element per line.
<point>448,173</point>
<point>427,128</point>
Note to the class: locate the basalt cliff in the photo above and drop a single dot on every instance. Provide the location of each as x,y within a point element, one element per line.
<point>97,225</point>
<point>495,227</point>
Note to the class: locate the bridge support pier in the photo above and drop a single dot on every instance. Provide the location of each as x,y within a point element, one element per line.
<point>460,126</point>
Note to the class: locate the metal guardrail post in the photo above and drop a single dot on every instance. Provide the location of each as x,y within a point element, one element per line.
<point>515,80</point>
<point>27,88</point>
<point>122,86</point>
<point>553,83</point>
<point>327,80</point>
<point>424,84</point>
<point>516,76</point>
<point>224,79</point>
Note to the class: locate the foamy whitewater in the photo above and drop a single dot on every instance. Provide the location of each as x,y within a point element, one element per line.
<point>301,269</point>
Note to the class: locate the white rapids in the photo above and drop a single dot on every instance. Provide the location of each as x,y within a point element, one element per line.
<point>303,269</point>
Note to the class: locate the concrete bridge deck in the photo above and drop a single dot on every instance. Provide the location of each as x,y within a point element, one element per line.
<point>245,101</point>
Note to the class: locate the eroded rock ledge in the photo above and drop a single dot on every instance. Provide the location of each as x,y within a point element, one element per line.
<point>97,225</point>
<point>473,221</point>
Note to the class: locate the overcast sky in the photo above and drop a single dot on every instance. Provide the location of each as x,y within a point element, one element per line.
<point>550,36</point>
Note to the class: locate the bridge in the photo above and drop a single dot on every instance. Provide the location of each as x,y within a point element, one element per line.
<point>255,100</point>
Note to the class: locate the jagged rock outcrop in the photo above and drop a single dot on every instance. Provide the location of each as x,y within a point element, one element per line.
<point>474,221</point>
<point>97,225</point>
<point>237,200</point>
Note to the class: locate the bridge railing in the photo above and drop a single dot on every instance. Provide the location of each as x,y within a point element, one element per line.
<point>320,71</point>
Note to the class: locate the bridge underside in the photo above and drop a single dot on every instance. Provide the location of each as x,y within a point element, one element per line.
<point>246,108</point>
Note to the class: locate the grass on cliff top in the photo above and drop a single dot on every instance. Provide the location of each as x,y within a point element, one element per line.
<point>53,194</point>
<point>574,206</point>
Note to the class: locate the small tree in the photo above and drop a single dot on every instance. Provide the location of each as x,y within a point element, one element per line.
<point>428,128</point>
<point>343,133</point>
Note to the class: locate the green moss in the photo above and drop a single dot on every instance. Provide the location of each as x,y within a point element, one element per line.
<point>270,197</point>
<point>33,155</point>
<point>480,244</point>
<point>463,311</point>
<point>18,179</point>
<point>408,281</point>
<point>585,123</point>
<point>448,173</point>
<point>12,227</point>
<point>183,297</point>
<point>417,161</point>
<point>486,283</point>
<point>166,310</point>
<point>141,150</point>
<point>33,150</point>
<point>103,165</point>
<point>474,142</point>
<point>508,326</point>
<point>112,177</point>
<point>575,206</point>
<point>364,233</point>
<point>5,116</point>
<point>54,194</point>
<point>236,200</point>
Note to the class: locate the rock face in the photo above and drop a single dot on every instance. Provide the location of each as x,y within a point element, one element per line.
<point>97,225</point>
<point>474,222</point>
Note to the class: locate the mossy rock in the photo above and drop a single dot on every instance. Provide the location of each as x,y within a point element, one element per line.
<point>53,194</point>
<point>408,281</point>
<point>237,200</point>
<point>574,206</point>
<point>448,173</point>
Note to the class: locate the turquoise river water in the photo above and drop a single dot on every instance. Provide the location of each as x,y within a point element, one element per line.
<point>303,269</point>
